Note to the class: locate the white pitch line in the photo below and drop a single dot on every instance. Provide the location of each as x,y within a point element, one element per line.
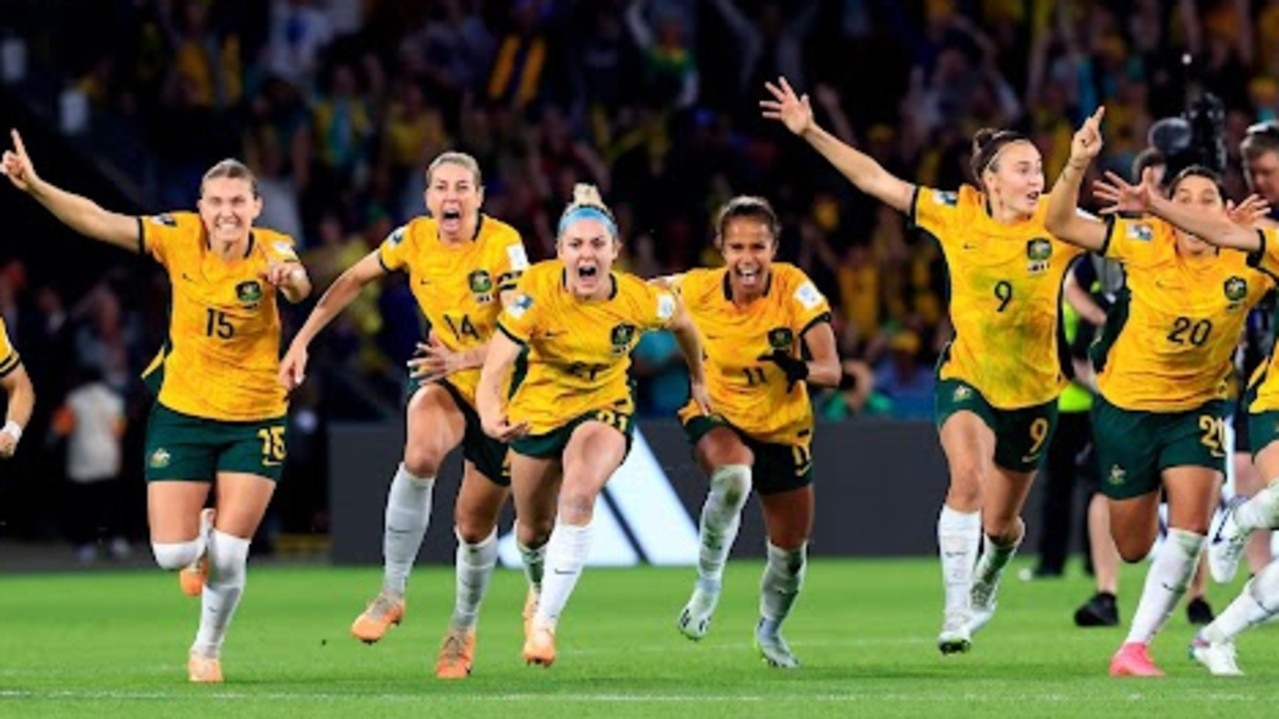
<point>91,695</point>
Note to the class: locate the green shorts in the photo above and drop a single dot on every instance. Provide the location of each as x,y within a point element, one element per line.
<point>1134,447</point>
<point>1261,428</point>
<point>1021,435</point>
<point>778,467</point>
<point>182,447</point>
<point>487,454</point>
<point>552,443</point>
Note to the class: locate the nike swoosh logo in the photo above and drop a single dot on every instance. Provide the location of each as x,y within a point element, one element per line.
<point>424,282</point>
<point>187,277</point>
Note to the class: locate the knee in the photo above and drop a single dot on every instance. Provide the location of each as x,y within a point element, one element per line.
<point>534,533</point>
<point>1133,551</point>
<point>472,529</point>
<point>175,555</point>
<point>421,461</point>
<point>577,505</point>
<point>965,485</point>
<point>790,540</point>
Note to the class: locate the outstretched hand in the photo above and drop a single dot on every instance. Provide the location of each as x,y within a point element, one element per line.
<point>16,164</point>
<point>1123,196</point>
<point>793,111</point>
<point>1248,213</point>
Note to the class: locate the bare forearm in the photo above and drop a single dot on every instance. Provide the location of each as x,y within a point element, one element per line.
<point>861,169</point>
<point>691,345</point>
<point>340,294</point>
<point>297,285</point>
<point>22,399</point>
<point>87,217</point>
<point>1211,227</point>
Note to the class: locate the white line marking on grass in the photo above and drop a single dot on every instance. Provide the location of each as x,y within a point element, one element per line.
<point>914,697</point>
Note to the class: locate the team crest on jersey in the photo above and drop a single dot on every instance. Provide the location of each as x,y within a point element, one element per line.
<point>1140,232</point>
<point>249,292</point>
<point>1117,475</point>
<point>962,393</point>
<point>949,199</point>
<point>1038,251</point>
<point>781,338</point>
<point>160,458</point>
<point>1236,288</point>
<point>481,283</point>
<point>621,338</point>
<point>397,235</point>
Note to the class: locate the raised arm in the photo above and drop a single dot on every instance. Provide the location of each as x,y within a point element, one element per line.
<point>22,399</point>
<point>335,299</point>
<point>79,213</point>
<point>861,169</point>
<point>1063,219</point>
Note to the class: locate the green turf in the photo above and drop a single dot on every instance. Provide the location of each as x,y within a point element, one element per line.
<point>109,645</point>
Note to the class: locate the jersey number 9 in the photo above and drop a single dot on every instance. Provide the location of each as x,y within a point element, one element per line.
<point>1003,293</point>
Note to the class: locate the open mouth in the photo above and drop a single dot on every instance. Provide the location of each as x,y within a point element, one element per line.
<point>749,276</point>
<point>587,272</point>
<point>451,219</point>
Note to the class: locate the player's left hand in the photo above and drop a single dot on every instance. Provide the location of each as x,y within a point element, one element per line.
<point>1247,213</point>
<point>796,370</point>
<point>435,361</point>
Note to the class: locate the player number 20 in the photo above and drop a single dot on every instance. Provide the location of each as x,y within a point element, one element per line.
<point>1185,330</point>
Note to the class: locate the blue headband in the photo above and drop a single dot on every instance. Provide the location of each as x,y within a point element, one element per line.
<point>588,213</point>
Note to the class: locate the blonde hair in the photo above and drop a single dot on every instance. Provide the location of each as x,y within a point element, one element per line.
<point>587,203</point>
<point>455,158</point>
<point>232,169</point>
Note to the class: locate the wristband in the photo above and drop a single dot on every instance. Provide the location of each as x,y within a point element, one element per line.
<point>13,429</point>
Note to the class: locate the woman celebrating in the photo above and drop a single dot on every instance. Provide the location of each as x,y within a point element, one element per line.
<point>996,396</point>
<point>569,417</point>
<point>219,420</point>
<point>1163,364</point>
<point>758,318</point>
<point>462,266</point>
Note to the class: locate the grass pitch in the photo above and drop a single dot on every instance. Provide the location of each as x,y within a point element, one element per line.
<point>114,644</point>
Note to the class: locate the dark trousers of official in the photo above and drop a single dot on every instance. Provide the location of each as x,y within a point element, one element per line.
<point>1065,470</point>
<point>94,511</point>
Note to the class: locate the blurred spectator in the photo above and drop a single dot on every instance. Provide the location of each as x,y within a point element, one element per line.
<point>92,421</point>
<point>903,380</point>
<point>657,362</point>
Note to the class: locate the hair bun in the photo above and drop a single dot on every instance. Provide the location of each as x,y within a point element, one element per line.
<point>587,194</point>
<point>982,137</point>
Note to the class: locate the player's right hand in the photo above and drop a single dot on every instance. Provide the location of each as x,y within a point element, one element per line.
<point>16,165</point>
<point>8,445</point>
<point>793,111</point>
<point>1087,143</point>
<point>293,368</point>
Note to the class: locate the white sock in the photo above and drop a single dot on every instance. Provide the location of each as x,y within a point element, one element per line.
<point>408,513</point>
<point>780,585</point>
<point>534,564</point>
<point>995,557</point>
<point>567,551</point>
<point>177,555</point>
<point>1261,511</point>
<point>1258,601</point>
<point>228,559</point>
<point>1166,581</point>
<point>475,563</point>
<point>721,518</point>
<point>958,536</point>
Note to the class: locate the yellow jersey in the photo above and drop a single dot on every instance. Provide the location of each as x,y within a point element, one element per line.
<point>9,359</point>
<point>579,351</point>
<point>752,394</point>
<point>221,360</point>
<point>1265,380</point>
<point>458,287</point>
<point>1170,338</point>
<point>1005,294</point>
